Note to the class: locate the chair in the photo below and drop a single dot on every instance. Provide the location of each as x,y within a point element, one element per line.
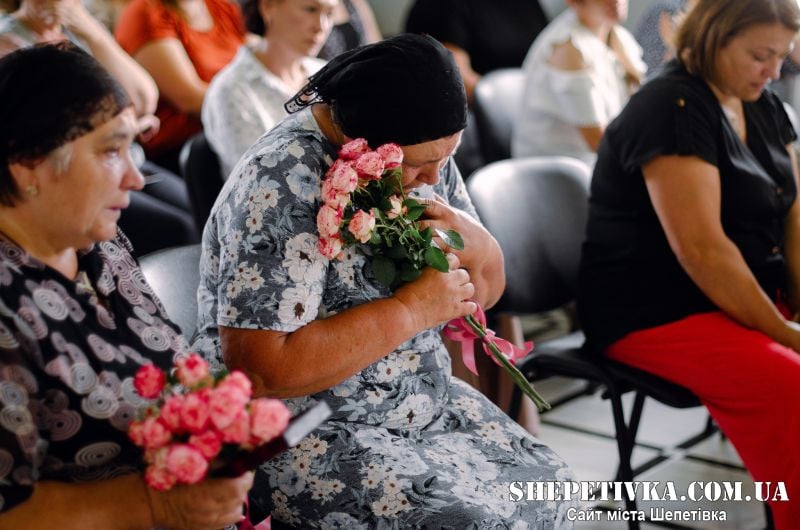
<point>174,274</point>
<point>536,208</point>
<point>496,103</point>
<point>202,172</point>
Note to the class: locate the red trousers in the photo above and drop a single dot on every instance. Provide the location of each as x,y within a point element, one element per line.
<point>749,383</point>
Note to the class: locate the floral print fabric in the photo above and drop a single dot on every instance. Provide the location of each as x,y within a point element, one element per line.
<point>68,354</point>
<point>408,445</point>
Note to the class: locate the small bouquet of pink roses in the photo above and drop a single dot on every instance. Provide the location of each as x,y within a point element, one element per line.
<point>201,424</point>
<point>364,204</point>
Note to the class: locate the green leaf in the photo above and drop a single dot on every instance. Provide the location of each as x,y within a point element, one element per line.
<point>427,235</point>
<point>408,272</point>
<point>436,259</point>
<point>451,238</point>
<point>375,238</point>
<point>415,209</point>
<point>397,252</point>
<point>384,270</point>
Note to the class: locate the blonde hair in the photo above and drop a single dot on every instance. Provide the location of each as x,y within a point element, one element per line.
<point>710,24</point>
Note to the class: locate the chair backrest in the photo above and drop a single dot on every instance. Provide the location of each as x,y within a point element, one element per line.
<point>202,172</point>
<point>496,103</point>
<point>174,275</point>
<point>536,208</point>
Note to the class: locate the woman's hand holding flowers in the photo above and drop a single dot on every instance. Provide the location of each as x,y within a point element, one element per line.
<point>207,505</point>
<point>478,251</point>
<point>436,297</point>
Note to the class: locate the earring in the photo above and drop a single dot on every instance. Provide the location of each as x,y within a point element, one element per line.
<point>32,191</point>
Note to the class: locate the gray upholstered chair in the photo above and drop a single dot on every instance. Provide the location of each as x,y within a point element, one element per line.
<point>496,103</point>
<point>174,274</point>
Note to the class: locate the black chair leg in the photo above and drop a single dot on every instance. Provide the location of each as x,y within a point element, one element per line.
<point>624,448</point>
<point>768,517</point>
<point>516,403</point>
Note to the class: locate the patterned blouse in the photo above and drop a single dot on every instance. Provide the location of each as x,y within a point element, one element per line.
<point>68,353</point>
<point>407,445</point>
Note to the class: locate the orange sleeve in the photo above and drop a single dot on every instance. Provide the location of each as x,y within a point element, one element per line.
<point>229,14</point>
<point>143,21</point>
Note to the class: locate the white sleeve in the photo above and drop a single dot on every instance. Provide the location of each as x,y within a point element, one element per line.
<point>577,98</point>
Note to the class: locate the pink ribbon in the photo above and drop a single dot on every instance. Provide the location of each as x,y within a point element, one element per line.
<point>460,330</point>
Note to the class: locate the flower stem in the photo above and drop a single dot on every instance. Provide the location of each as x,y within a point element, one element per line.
<point>512,370</point>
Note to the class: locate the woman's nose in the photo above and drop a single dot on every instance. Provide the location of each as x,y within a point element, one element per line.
<point>133,178</point>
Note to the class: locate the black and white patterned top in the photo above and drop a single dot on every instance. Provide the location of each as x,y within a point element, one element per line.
<point>68,354</point>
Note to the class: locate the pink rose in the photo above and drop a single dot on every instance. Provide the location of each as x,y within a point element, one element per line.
<point>136,432</point>
<point>268,419</point>
<point>397,207</point>
<point>208,443</point>
<point>343,177</point>
<point>159,478</point>
<point>150,433</point>
<point>238,379</point>
<point>333,197</point>
<point>225,404</point>
<point>157,475</point>
<point>353,149</point>
<point>331,247</point>
<point>170,413</point>
<point>361,225</point>
<point>186,463</point>
<point>392,155</point>
<point>195,412</point>
<point>237,431</point>
<point>191,370</point>
<point>149,381</point>
<point>370,166</point>
<point>328,220</point>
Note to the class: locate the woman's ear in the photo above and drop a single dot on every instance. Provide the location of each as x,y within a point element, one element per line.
<point>25,177</point>
<point>264,9</point>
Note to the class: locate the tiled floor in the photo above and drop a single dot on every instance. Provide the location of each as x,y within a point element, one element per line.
<point>581,431</point>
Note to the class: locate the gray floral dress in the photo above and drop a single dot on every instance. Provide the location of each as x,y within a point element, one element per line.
<point>408,445</point>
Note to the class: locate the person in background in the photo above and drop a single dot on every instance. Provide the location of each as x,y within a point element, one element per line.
<point>246,98</point>
<point>579,72</point>
<point>159,216</point>
<point>182,44</point>
<point>691,264</point>
<point>35,21</point>
<point>78,317</point>
<point>483,36</point>
<point>655,32</point>
<point>407,444</point>
<point>354,26</point>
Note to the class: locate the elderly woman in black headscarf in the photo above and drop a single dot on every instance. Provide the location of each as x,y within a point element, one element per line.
<point>77,318</point>
<point>408,445</point>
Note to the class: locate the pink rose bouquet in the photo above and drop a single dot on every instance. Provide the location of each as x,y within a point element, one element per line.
<point>201,424</point>
<point>364,205</point>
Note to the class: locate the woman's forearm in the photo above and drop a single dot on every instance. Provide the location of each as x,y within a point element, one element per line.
<point>115,504</point>
<point>325,352</point>
<point>723,275</point>
<point>322,353</point>
<point>138,84</point>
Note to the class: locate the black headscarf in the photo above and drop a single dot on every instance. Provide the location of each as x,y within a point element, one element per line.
<point>405,89</point>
